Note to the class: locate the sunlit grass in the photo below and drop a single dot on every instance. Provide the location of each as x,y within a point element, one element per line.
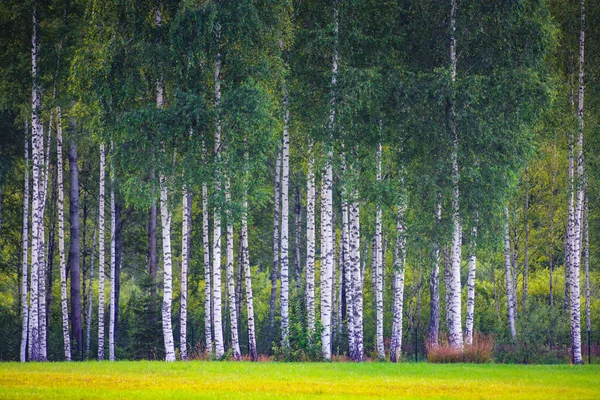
<point>160,380</point>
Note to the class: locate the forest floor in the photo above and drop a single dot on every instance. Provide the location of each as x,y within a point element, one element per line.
<point>218,380</point>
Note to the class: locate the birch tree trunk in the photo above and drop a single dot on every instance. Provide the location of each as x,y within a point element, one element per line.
<point>152,260</point>
<point>509,284</point>
<point>347,267</point>
<point>42,272</point>
<point>247,272</point>
<point>235,344</point>
<point>207,271</point>
<point>276,239</point>
<point>285,176</point>
<point>586,264</point>
<point>357,282</point>
<point>165,217</point>
<point>90,302</point>
<point>327,205</point>
<point>398,277</point>
<point>37,218</point>
<point>310,241</point>
<point>25,257</point>
<point>454,298</point>
<point>434,285</point>
<point>74,251</point>
<point>113,266</point>
<point>101,239</point>
<point>577,221</point>
<point>217,317</point>
<point>61,239</point>
<point>298,236</point>
<point>379,267</point>
<point>471,287</point>
<point>186,208</point>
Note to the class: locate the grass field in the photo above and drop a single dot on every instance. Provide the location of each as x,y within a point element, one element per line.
<point>198,379</point>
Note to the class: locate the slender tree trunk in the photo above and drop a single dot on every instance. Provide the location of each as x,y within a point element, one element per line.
<point>551,266</point>
<point>285,209</point>
<point>90,302</point>
<point>379,267</point>
<point>239,277</point>
<point>218,325</point>
<point>515,266</point>
<point>347,261</point>
<point>398,278</point>
<point>276,238</point>
<point>434,285</point>
<point>185,261</point>
<point>37,139</point>
<point>152,260</point>
<point>113,266</point>
<point>61,239</point>
<point>235,344</point>
<point>74,252</point>
<point>471,287</point>
<point>244,248</point>
<point>101,261</point>
<point>577,221</point>
<point>454,304</point>
<point>207,270</point>
<point>310,241</point>
<point>509,284</point>
<point>357,282</point>
<point>298,237</point>
<point>25,257</point>
<point>327,205</point>
<point>165,217</point>
<point>42,272</point>
<point>586,264</point>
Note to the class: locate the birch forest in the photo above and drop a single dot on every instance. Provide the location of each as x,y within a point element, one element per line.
<point>299,180</point>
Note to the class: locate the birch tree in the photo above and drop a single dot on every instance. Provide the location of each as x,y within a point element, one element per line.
<point>61,238</point>
<point>434,284</point>
<point>247,272</point>
<point>233,320</point>
<point>186,220</point>
<point>471,287</point>
<point>101,255</point>
<point>379,267</point>
<point>453,307</point>
<point>25,257</point>
<point>113,266</point>
<point>285,209</point>
<point>276,239</point>
<point>207,266</point>
<point>398,277</point>
<point>509,283</point>
<point>310,240</point>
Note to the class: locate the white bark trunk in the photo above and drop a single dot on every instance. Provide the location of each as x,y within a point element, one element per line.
<point>471,288</point>
<point>37,217</point>
<point>90,302</point>
<point>233,319</point>
<point>398,277</point>
<point>101,237</point>
<point>357,282</point>
<point>379,268</point>
<point>575,291</point>
<point>25,262</point>
<point>207,272</point>
<point>285,209</point>
<point>43,319</point>
<point>217,317</point>
<point>185,254</point>
<point>454,298</point>
<point>310,241</point>
<point>61,238</point>
<point>113,266</point>
<point>247,272</point>
<point>434,285</point>
<point>509,284</point>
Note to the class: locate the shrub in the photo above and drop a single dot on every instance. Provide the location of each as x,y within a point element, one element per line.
<point>479,352</point>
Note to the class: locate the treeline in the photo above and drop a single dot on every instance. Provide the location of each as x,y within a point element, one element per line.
<point>297,179</point>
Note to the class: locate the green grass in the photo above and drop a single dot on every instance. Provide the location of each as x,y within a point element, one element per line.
<point>198,379</point>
